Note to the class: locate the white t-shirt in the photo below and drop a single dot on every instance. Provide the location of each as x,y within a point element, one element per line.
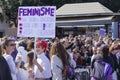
<point>56,71</point>
<point>12,66</point>
<point>45,64</point>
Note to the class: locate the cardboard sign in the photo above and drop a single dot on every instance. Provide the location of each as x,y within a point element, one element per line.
<point>36,21</point>
<point>102,32</point>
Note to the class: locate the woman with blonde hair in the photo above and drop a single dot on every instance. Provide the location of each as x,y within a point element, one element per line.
<point>59,59</point>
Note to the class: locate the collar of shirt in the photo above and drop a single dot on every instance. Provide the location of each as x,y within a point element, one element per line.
<point>40,55</point>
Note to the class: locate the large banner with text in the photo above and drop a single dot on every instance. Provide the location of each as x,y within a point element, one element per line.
<point>36,21</point>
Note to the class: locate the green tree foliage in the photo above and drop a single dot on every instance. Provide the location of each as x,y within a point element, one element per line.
<point>11,6</point>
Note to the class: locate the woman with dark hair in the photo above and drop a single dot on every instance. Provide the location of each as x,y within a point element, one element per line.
<point>106,56</point>
<point>59,59</point>
<point>30,46</point>
<point>114,49</point>
<point>5,73</point>
<point>30,57</point>
<point>29,65</point>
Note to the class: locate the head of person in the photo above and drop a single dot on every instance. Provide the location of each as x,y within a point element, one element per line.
<point>75,50</point>
<point>105,51</point>
<point>94,50</point>
<point>41,46</point>
<point>9,45</point>
<point>114,48</point>
<point>83,49</point>
<point>99,50</point>
<point>59,50</point>
<point>30,57</point>
<point>30,46</point>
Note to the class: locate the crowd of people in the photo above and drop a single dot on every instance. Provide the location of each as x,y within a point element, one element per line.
<point>19,60</point>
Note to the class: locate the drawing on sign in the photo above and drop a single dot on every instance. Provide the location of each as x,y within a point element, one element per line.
<point>20,32</point>
<point>43,26</point>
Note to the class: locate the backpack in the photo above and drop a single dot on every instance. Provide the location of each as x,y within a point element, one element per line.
<point>68,72</point>
<point>107,72</point>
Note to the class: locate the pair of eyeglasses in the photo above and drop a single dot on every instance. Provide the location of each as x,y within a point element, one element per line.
<point>37,46</point>
<point>12,44</point>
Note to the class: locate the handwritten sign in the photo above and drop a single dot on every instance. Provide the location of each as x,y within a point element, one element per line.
<point>36,21</point>
<point>102,32</point>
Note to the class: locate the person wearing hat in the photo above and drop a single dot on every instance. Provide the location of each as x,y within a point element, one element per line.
<point>42,68</point>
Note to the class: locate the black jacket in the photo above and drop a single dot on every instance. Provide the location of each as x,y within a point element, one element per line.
<point>5,73</point>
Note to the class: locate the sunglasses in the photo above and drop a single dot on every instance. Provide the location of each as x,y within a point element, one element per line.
<point>37,46</point>
<point>12,44</point>
<point>115,48</point>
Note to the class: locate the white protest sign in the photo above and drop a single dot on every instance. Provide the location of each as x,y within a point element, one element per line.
<point>36,21</point>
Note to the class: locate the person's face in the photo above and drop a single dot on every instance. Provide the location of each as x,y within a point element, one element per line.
<point>99,50</point>
<point>83,49</point>
<point>10,47</point>
<point>115,50</point>
<point>64,44</point>
<point>95,50</point>
<point>39,49</point>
